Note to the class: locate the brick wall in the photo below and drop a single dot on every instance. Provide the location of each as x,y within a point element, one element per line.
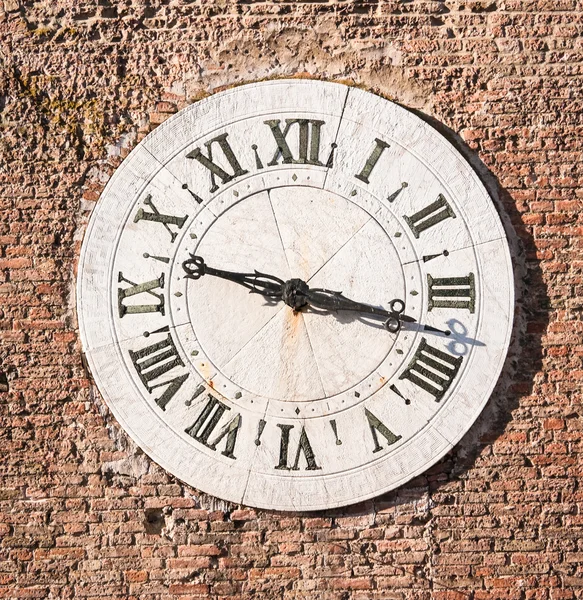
<point>85,514</point>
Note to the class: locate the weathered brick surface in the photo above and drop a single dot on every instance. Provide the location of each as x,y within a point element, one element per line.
<point>83,513</point>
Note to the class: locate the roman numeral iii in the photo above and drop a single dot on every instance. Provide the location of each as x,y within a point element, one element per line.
<point>452,292</point>
<point>429,216</point>
<point>431,369</point>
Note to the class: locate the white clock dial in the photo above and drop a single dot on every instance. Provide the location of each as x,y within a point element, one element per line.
<point>294,397</point>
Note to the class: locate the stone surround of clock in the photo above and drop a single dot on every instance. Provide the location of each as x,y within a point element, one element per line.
<point>245,398</point>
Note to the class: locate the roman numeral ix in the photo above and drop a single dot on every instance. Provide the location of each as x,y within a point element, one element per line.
<point>133,290</point>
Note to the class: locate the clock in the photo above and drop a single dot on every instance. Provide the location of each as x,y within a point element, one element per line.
<point>295,295</point>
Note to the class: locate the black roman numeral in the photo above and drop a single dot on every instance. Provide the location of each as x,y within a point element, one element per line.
<point>432,370</point>
<point>147,287</point>
<point>431,215</point>
<point>376,425</point>
<point>304,447</point>
<point>309,139</point>
<point>155,360</point>
<point>216,170</point>
<point>208,420</point>
<point>372,160</point>
<point>452,292</point>
<point>157,217</point>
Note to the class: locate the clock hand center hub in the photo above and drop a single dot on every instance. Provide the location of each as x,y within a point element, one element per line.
<point>294,292</point>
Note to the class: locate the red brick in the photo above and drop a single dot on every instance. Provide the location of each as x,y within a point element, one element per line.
<point>82,84</point>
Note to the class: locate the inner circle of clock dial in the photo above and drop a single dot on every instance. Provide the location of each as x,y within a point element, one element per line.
<point>262,346</point>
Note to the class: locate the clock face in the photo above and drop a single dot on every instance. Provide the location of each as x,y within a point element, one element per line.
<point>295,295</point>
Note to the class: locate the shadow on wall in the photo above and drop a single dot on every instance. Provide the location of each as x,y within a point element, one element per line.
<point>524,359</point>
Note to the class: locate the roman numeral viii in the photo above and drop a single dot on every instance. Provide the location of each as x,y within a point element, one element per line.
<point>429,216</point>
<point>433,370</point>
<point>452,292</point>
<point>156,360</point>
<point>206,423</point>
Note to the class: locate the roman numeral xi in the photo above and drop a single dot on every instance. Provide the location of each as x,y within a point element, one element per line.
<point>206,160</point>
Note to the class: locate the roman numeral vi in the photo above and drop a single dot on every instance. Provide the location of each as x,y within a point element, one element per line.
<point>304,447</point>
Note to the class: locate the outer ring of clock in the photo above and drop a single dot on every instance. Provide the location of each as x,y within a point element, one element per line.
<point>359,118</point>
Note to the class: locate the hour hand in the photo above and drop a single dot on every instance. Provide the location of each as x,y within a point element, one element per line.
<point>257,283</point>
<point>329,300</point>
